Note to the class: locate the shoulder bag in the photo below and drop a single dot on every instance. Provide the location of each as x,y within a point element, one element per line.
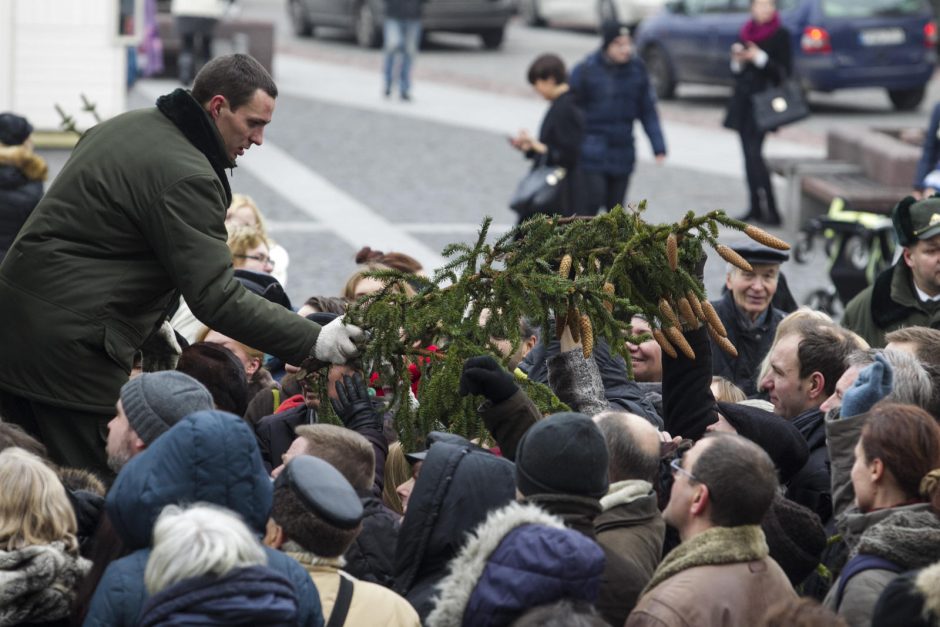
<point>538,189</point>
<point>780,105</point>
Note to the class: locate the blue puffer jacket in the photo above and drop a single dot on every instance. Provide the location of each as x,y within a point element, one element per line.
<point>519,558</point>
<point>209,456</point>
<point>612,97</point>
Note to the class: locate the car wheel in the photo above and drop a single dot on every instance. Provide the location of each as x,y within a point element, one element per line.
<point>298,19</point>
<point>664,83</point>
<point>906,99</point>
<point>606,12</point>
<point>530,13</point>
<point>367,30</point>
<point>492,38</point>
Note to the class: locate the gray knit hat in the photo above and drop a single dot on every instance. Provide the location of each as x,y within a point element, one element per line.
<point>155,401</point>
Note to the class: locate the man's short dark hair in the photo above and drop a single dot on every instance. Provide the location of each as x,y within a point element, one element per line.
<point>217,368</point>
<point>307,529</point>
<point>925,339</point>
<point>824,348</point>
<point>740,477</point>
<point>528,328</point>
<point>548,66</point>
<point>345,450</point>
<point>235,76</point>
<point>627,459</point>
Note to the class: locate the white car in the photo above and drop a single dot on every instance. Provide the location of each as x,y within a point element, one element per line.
<point>589,13</point>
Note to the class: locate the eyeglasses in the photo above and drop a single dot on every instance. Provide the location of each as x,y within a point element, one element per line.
<point>677,468</point>
<point>264,259</point>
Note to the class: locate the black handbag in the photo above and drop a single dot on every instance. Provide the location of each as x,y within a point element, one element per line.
<point>538,189</point>
<point>778,106</point>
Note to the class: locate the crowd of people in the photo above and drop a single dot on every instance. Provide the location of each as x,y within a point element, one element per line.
<point>163,460</point>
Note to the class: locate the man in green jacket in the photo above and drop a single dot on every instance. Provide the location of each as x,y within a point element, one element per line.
<point>908,293</point>
<point>134,220</point>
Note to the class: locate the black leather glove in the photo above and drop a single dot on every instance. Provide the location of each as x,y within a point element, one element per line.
<point>353,404</point>
<point>484,376</point>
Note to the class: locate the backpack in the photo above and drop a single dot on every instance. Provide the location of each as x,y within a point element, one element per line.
<point>861,563</point>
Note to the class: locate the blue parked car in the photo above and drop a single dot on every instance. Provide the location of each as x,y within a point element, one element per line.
<point>836,44</point>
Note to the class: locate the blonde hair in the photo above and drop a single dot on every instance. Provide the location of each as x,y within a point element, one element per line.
<point>244,200</point>
<point>241,239</point>
<point>727,391</point>
<point>397,471</point>
<point>349,291</point>
<point>34,508</point>
<point>202,539</point>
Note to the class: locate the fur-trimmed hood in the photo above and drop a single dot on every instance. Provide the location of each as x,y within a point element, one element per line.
<point>519,557</point>
<point>22,158</point>
<point>927,584</point>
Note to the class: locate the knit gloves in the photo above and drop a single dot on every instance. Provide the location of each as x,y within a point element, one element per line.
<point>874,383</point>
<point>336,342</point>
<point>484,376</point>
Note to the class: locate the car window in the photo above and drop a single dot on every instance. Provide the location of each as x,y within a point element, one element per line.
<point>872,8</point>
<point>707,6</point>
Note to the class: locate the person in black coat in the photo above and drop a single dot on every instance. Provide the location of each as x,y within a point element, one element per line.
<point>559,142</point>
<point>21,175</point>
<point>760,59</point>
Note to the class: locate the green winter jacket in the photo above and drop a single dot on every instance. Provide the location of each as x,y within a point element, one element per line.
<point>888,304</point>
<point>135,218</point>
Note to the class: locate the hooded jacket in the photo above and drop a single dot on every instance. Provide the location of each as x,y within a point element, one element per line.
<point>908,536</point>
<point>209,456</point>
<point>459,485</point>
<point>21,177</point>
<point>135,218</point>
<point>520,557</point>
<point>888,304</point>
<point>912,600</point>
<point>613,96</point>
<point>631,526</point>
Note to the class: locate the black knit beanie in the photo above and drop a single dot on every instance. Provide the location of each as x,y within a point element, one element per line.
<point>14,129</point>
<point>610,30</point>
<point>562,454</point>
<point>795,536</point>
<point>782,441</point>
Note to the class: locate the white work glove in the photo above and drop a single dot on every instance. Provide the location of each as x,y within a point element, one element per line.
<point>335,344</point>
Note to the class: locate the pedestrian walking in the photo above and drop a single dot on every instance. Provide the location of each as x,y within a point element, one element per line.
<point>613,89</point>
<point>22,173</point>
<point>195,22</point>
<point>402,35</point>
<point>761,58</point>
<point>560,137</point>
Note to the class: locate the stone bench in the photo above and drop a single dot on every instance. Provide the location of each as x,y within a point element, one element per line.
<point>870,168</point>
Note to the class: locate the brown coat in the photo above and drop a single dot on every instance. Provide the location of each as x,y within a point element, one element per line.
<point>631,527</point>
<point>709,587</point>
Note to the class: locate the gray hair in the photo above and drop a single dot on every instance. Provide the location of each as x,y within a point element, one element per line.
<point>201,539</point>
<point>912,383</point>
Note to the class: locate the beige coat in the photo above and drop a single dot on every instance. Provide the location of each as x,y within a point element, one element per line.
<point>371,605</point>
<point>708,594</point>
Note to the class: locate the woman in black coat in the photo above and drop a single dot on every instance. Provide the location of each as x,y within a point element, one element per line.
<point>559,142</point>
<point>760,59</point>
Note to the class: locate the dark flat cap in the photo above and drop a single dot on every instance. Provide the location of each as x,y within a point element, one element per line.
<point>263,285</point>
<point>323,491</point>
<point>758,253</point>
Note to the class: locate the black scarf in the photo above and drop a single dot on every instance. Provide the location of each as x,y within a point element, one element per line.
<point>196,125</point>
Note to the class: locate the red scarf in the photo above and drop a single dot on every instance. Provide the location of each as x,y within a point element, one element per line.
<point>752,31</point>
